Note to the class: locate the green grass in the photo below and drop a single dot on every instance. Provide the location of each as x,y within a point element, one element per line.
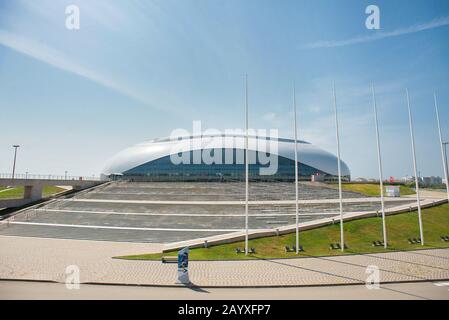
<point>51,190</point>
<point>17,193</point>
<point>359,235</point>
<point>13,193</point>
<point>372,190</point>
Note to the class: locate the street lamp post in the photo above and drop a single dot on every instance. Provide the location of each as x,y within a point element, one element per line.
<point>16,146</point>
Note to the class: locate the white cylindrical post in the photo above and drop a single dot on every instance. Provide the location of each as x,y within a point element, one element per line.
<point>441,145</point>
<point>379,160</point>
<point>246,165</point>
<point>412,138</point>
<point>340,195</point>
<point>296,170</point>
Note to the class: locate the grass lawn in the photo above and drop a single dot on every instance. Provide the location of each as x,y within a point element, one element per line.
<point>17,193</point>
<point>51,190</point>
<point>13,193</point>
<point>359,235</point>
<point>371,190</point>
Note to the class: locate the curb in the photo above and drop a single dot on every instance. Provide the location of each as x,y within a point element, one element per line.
<point>223,286</point>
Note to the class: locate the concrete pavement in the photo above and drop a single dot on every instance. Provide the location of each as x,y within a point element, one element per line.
<point>47,259</point>
<point>399,291</point>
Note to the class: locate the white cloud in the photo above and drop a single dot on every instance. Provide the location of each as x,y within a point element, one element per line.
<point>436,23</point>
<point>58,60</point>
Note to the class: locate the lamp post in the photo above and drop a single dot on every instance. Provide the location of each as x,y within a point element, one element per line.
<point>16,146</point>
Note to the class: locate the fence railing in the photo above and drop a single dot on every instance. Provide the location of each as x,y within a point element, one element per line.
<point>48,177</point>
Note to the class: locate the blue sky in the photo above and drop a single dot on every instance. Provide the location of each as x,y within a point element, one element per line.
<point>136,70</point>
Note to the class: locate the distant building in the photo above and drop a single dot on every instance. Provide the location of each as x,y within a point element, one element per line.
<point>408,179</point>
<point>431,181</point>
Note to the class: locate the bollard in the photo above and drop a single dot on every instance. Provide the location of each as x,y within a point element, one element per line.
<point>277,232</point>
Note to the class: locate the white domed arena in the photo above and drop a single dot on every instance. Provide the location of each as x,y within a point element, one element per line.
<point>221,157</point>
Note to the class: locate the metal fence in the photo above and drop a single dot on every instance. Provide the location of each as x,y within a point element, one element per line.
<point>48,177</point>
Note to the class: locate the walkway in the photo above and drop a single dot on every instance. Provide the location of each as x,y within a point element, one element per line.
<point>47,259</point>
<point>42,290</point>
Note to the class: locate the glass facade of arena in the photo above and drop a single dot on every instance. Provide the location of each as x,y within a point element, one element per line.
<point>164,169</point>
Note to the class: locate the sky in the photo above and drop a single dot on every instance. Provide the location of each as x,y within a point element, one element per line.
<point>136,70</point>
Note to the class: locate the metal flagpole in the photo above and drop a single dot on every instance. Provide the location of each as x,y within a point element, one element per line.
<point>379,159</point>
<point>246,166</point>
<point>342,240</point>
<point>412,138</point>
<point>441,145</point>
<point>296,170</point>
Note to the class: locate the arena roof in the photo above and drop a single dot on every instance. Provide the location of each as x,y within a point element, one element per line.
<point>148,151</point>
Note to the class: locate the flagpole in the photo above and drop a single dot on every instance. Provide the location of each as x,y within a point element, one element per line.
<point>379,160</point>
<point>296,170</point>
<point>342,240</point>
<point>246,165</point>
<point>441,145</point>
<point>412,138</point>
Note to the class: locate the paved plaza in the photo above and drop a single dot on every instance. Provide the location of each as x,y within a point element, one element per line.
<point>90,228</point>
<point>397,291</point>
<point>23,258</point>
